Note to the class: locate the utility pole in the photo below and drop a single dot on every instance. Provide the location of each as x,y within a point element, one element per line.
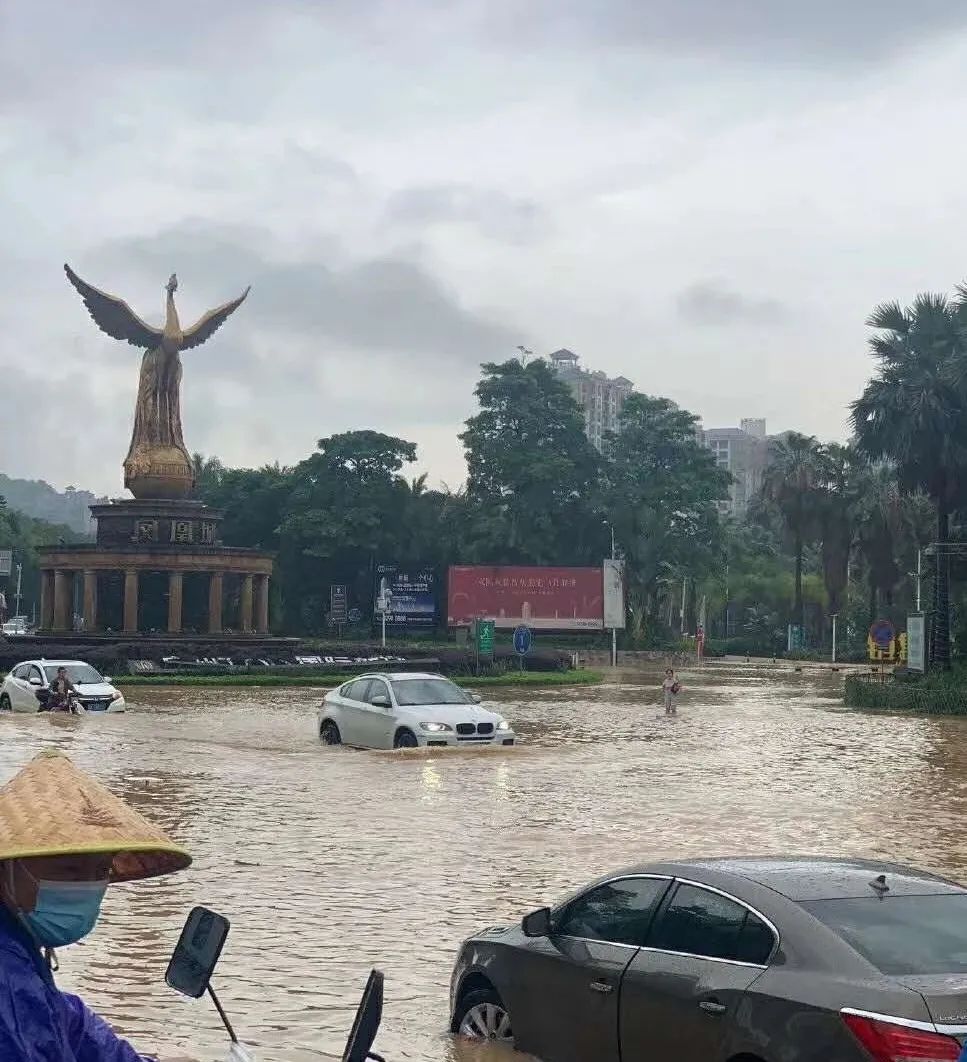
<point>919,561</point>
<point>17,595</point>
<point>614,632</point>
<point>684,584</point>
<point>833,617</point>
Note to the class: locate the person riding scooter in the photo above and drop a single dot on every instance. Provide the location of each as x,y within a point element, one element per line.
<point>64,839</point>
<point>63,693</point>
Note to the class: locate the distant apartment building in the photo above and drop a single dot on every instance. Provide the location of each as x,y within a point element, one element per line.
<point>744,452</point>
<point>601,397</point>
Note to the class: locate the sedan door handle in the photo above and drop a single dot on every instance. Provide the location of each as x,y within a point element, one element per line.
<point>712,1006</point>
<point>601,986</point>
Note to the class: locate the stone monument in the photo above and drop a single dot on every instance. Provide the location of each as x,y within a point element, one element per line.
<point>162,532</point>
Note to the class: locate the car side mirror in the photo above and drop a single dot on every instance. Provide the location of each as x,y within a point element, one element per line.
<point>537,923</point>
<point>107,678</point>
<point>475,697</point>
<point>34,681</point>
<point>380,701</point>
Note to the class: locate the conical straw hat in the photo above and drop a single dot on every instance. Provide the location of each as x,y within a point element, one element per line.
<point>52,808</point>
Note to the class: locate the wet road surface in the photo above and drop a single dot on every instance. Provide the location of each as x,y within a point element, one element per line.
<point>330,861</point>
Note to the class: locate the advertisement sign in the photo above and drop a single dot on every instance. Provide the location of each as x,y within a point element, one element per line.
<point>410,595</point>
<point>562,599</point>
<point>6,561</point>
<point>916,643</point>
<point>614,595</point>
<point>338,604</point>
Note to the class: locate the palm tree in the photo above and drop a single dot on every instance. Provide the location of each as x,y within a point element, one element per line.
<point>913,413</point>
<point>791,483</point>
<point>835,518</point>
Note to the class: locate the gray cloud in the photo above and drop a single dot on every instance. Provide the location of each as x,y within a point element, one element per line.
<point>769,31</point>
<point>387,304</point>
<point>494,214</point>
<point>713,303</point>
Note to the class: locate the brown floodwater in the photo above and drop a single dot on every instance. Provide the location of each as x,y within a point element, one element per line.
<point>330,861</point>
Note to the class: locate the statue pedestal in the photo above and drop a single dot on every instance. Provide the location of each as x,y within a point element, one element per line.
<point>163,472</point>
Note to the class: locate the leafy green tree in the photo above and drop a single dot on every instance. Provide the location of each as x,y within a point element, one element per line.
<point>660,491</point>
<point>791,482</point>
<point>532,473</point>
<point>342,515</point>
<point>914,413</point>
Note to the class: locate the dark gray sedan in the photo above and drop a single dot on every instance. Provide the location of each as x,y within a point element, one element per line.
<point>729,960</point>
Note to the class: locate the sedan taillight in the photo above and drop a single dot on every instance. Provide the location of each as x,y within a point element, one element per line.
<point>887,1042</point>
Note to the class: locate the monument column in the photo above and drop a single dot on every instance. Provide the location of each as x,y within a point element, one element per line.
<point>262,604</point>
<point>131,601</point>
<point>175,587</point>
<point>246,604</point>
<point>60,600</point>
<point>215,604</point>
<point>46,599</point>
<point>90,600</point>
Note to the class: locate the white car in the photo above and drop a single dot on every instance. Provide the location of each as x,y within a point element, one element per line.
<point>95,692</point>
<point>408,711</point>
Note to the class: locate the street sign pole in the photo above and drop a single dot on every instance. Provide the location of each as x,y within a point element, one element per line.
<point>522,643</point>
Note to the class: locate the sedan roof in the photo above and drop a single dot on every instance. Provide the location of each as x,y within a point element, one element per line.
<point>818,877</point>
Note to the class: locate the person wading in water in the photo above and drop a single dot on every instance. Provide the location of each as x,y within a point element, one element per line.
<point>670,688</point>
<point>64,839</point>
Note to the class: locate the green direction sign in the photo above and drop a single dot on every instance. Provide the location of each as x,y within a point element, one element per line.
<point>485,637</point>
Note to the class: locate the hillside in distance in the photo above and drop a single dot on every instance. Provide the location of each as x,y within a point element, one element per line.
<point>38,499</point>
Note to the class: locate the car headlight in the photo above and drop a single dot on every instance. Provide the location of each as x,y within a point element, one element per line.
<point>502,724</point>
<point>435,728</point>
<point>116,696</point>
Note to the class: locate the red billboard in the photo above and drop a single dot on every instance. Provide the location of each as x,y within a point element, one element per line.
<point>551,599</point>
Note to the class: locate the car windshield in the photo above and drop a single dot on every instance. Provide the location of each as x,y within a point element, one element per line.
<point>902,934</point>
<point>75,672</point>
<point>429,691</point>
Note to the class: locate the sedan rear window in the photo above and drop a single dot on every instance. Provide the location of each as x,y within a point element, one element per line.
<point>429,691</point>
<point>901,934</point>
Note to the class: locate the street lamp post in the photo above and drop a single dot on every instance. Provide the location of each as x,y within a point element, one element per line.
<point>614,632</point>
<point>834,617</point>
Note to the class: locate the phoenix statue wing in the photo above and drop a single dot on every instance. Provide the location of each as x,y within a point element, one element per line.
<point>206,327</point>
<point>113,315</point>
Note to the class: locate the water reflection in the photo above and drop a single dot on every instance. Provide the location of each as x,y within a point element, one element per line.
<point>329,861</point>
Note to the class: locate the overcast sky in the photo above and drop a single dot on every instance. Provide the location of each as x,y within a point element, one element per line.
<point>706,196</point>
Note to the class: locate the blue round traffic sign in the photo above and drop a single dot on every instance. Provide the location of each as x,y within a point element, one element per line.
<point>522,641</point>
<point>882,632</point>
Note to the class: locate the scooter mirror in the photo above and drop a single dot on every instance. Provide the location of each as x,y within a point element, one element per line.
<point>368,1016</point>
<point>197,952</point>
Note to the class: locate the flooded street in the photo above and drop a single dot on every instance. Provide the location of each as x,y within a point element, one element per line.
<point>330,861</point>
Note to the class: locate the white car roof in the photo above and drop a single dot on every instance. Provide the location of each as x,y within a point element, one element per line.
<point>54,663</point>
<point>399,676</point>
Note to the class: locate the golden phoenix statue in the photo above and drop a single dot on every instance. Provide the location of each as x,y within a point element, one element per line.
<point>158,464</point>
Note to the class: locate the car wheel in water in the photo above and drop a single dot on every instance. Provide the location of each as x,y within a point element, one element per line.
<point>482,1016</point>
<point>405,739</point>
<point>329,733</point>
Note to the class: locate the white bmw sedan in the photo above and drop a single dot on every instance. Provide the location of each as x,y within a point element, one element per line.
<point>408,711</point>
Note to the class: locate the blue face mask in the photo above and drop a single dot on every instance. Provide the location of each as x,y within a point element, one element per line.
<point>65,911</point>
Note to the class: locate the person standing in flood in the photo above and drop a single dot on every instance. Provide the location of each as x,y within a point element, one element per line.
<point>670,688</point>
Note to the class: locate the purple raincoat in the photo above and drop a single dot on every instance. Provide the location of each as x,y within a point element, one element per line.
<point>38,1022</point>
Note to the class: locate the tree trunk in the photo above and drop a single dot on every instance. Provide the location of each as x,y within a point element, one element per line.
<point>797,607</point>
<point>941,592</point>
